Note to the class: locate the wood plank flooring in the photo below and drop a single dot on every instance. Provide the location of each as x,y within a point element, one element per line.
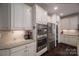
<point>62,50</point>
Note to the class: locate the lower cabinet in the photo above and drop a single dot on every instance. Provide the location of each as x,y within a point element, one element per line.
<point>4,52</point>
<point>71,40</point>
<point>31,49</point>
<point>20,53</point>
<point>24,50</point>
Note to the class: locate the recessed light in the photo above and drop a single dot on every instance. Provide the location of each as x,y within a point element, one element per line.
<point>61,14</point>
<point>55,8</point>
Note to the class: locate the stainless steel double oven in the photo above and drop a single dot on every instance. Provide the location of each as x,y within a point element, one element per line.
<point>41,36</point>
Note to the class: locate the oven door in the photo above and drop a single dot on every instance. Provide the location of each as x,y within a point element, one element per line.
<point>41,29</point>
<point>41,43</point>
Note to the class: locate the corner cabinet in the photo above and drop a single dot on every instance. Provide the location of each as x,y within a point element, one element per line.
<point>14,16</point>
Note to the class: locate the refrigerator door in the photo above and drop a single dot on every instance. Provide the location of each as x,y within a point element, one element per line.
<point>56,35</point>
<point>51,36</point>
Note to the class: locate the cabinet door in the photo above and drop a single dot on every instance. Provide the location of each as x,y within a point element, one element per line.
<point>4,52</point>
<point>78,47</point>
<point>65,23</point>
<point>4,16</point>
<point>44,18</point>
<point>74,22</point>
<point>31,49</point>
<point>20,53</point>
<point>62,39</point>
<point>27,17</point>
<point>73,40</point>
<point>17,16</point>
<point>40,15</point>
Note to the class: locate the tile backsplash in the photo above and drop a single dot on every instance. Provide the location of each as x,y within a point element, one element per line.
<point>7,37</point>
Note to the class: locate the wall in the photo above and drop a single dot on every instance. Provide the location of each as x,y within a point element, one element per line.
<point>7,37</point>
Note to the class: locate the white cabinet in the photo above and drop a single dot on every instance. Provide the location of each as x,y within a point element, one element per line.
<point>4,16</point>
<point>40,15</point>
<point>71,40</point>
<point>20,53</point>
<point>70,23</point>
<point>74,22</point>
<point>49,19</point>
<point>78,49</point>
<point>44,17</point>
<point>31,49</point>
<point>65,23</point>
<point>27,17</point>
<point>15,16</point>
<point>21,16</point>
<point>4,52</point>
<point>24,50</point>
<point>78,46</point>
<point>11,16</point>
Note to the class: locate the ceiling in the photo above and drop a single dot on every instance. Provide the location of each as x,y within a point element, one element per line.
<point>65,8</point>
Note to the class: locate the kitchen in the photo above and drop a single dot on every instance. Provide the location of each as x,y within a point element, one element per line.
<point>29,29</point>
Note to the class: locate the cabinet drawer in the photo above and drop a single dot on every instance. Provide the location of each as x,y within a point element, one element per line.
<point>17,49</point>
<point>20,53</point>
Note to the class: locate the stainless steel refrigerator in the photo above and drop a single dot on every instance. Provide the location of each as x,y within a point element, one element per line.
<point>51,35</point>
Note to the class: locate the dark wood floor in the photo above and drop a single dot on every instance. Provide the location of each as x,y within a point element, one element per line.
<point>62,50</point>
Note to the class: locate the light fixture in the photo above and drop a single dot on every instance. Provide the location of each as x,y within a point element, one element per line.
<point>61,14</point>
<point>55,8</point>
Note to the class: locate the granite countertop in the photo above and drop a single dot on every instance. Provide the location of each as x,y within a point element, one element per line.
<point>13,45</point>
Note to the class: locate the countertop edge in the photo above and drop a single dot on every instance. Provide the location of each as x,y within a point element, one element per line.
<point>17,45</point>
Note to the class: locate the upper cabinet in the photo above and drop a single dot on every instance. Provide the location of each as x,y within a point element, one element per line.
<point>27,17</point>
<point>15,17</point>
<point>39,15</point>
<point>70,23</point>
<point>49,19</point>
<point>74,22</point>
<point>4,16</point>
<point>65,23</point>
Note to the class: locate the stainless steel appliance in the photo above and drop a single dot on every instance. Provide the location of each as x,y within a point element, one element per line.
<point>41,29</point>
<point>41,43</point>
<point>56,35</point>
<point>41,36</point>
<point>51,33</point>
